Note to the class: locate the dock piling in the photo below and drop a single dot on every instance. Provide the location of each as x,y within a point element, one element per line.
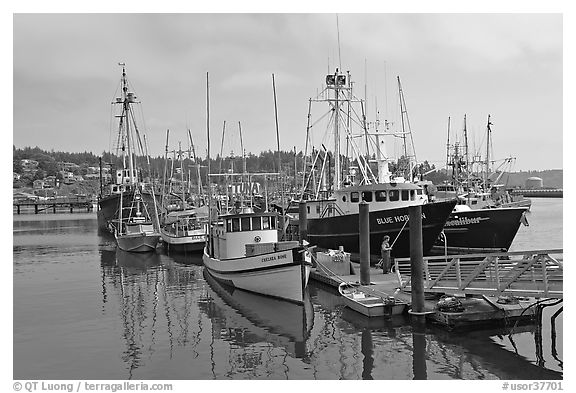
<point>416,262</point>
<point>364,228</point>
<point>302,221</point>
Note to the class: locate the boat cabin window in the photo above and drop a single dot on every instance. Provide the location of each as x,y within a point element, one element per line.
<point>235,225</point>
<point>256,223</point>
<point>405,195</point>
<point>245,221</point>
<point>354,196</point>
<point>380,196</point>
<point>394,195</point>
<point>367,196</point>
<point>317,209</point>
<point>419,192</point>
<point>272,222</point>
<point>308,209</point>
<point>343,198</point>
<point>412,195</point>
<point>266,222</point>
<point>228,225</point>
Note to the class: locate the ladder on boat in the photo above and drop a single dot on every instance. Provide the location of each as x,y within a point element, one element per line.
<point>519,273</point>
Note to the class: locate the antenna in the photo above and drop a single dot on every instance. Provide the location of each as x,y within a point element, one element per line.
<point>338,34</point>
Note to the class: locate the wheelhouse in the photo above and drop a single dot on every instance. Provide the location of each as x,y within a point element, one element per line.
<point>380,196</point>
<point>234,231</point>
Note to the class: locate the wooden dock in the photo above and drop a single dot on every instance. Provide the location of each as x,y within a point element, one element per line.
<point>54,205</point>
<point>478,306</point>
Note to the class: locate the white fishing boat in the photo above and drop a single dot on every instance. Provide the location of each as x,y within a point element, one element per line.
<point>370,302</point>
<point>183,231</point>
<point>243,251</point>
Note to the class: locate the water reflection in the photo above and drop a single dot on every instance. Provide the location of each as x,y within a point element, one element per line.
<point>155,316</point>
<point>245,318</point>
<point>155,303</point>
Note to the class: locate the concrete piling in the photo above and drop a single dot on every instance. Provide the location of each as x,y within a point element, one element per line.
<point>364,231</point>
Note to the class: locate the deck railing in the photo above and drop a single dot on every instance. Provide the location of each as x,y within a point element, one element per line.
<point>536,273</point>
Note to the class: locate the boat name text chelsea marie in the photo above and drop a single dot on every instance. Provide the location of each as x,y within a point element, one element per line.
<point>395,219</point>
<point>273,258</point>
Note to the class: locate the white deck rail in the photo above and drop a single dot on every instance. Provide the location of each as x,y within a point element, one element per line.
<point>536,273</point>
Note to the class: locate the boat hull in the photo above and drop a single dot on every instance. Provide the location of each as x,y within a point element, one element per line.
<point>369,305</point>
<point>108,208</point>
<point>281,274</point>
<point>332,232</point>
<point>480,231</point>
<point>138,242</point>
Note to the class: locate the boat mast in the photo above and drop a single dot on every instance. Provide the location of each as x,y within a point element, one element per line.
<point>127,100</point>
<point>181,174</point>
<point>196,162</point>
<point>337,163</point>
<point>448,148</point>
<point>209,237</point>
<point>165,167</point>
<point>278,145</point>
<point>488,136</point>
<point>467,160</point>
<point>157,221</point>
<point>242,191</point>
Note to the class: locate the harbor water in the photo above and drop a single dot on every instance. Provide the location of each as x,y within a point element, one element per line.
<point>83,310</point>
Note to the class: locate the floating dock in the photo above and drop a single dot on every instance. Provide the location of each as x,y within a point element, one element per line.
<point>472,310</point>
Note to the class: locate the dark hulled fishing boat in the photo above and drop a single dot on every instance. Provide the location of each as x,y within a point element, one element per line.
<point>332,231</point>
<point>124,183</point>
<point>334,221</point>
<point>484,220</point>
<point>470,231</point>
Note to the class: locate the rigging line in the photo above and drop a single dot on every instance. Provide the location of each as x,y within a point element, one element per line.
<point>137,133</point>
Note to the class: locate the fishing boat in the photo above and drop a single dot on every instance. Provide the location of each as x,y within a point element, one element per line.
<point>183,231</point>
<point>333,205</point>
<point>136,232</point>
<point>485,219</point>
<point>243,251</point>
<point>119,186</point>
<point>134,229</point>
<point>370,302</point>
<point>182,228</point>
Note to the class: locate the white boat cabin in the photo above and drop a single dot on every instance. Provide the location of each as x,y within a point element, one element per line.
<point>123,181</point>
<point>183,223</point>
<point>379,196</point>
<point>234,232</point>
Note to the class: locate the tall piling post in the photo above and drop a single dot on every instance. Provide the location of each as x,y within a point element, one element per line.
<point>416,263</point>
<point>364,230</point>
<point>302,221</point>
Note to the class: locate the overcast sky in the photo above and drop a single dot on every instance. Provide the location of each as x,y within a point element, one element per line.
<point>66,74</point>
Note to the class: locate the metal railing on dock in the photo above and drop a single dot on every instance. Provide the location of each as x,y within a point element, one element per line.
<point>536,273</point>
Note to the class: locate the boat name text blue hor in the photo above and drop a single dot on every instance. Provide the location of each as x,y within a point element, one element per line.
<point>395,219</point>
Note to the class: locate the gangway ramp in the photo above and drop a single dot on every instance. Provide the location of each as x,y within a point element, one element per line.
<point>537,273</point>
